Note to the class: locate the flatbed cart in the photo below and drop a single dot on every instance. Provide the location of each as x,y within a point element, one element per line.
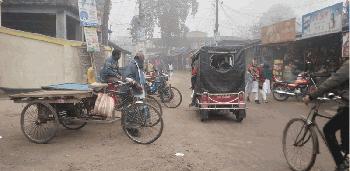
<point>47,109</point>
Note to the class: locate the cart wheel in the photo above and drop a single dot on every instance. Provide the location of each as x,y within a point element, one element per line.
<point>204,114</point>
<point>39,122</point>
<point>240,115</point>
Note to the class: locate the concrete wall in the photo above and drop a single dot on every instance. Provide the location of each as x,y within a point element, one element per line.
<point>31,60</point>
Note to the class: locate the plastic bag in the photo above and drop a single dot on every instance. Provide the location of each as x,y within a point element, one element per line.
<point>106,106</point>
<point>97,102</point>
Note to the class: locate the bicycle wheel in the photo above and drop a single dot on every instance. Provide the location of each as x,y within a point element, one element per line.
<point>172,98</point>
<point>142,123</point>
<point>154,102</point>
<point>39,122</point>
<point>300,145</point>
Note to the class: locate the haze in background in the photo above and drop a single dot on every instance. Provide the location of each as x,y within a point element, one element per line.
<point>234,14</point>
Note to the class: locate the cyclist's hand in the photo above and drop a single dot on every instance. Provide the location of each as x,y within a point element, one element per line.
<point>307,99</point>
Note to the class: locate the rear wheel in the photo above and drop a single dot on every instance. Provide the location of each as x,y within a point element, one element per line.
<point>204,114</point>
<point>154,102</point>
<point>240,115</point>
<point>300,145</point>
<point>39,122</point>
<point>279,96</point>
<point>171,97</point>
<point>142,123</point>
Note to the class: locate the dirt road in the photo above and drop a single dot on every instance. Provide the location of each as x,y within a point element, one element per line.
<point>219,144</point>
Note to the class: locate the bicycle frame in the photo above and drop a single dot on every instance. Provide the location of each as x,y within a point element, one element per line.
<point>310,123</point>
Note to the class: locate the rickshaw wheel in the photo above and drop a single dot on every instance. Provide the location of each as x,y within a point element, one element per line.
<point>142,127</point>
<point>204,114</point>
<point>39,122</point>
<point>240,115</point>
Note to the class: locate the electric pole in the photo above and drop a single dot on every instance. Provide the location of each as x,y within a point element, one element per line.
<point>217,18</point>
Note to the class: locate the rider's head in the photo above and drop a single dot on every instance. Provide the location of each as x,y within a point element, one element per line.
<point>116,54</point>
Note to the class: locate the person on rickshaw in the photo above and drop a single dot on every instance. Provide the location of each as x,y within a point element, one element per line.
<point>110,72</point>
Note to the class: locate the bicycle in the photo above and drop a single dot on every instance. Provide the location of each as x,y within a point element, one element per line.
<point>137,114</point>
<point>170,96</point>
<point>306,136</point>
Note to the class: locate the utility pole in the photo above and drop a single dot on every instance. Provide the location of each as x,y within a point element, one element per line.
<point>216,31</point>
<point>217,18</point>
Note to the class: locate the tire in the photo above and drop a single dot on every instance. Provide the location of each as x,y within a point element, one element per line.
<point>154,102</point>
<point>240,115</point>
<point>204,115</point>
<point>45,116</point>
<point>278,96</point>
<point>172,102</point>
<point>133,120</point>
<point>304,136</point>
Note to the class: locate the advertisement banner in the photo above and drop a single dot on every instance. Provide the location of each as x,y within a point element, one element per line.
<point>88,13</point>
<point>324,21</point>
<point>91,37</point>
<point>280,32</point>
<point>345,49</point>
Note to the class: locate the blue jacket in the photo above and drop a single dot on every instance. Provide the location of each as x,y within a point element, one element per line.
<point>110,69</point>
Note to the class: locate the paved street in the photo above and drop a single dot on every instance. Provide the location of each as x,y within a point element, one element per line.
<point>219,144</point>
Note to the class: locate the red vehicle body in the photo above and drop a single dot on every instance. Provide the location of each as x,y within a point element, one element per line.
<point>304,84</point>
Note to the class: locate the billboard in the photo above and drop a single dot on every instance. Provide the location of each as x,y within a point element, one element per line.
<point>279,32</point>
<point>324,21</point>
<point>88,13</point>
<point>91,39</point>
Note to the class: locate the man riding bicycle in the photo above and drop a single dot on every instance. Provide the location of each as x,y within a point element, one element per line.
<point>110,71</point>
<point>339,80</point>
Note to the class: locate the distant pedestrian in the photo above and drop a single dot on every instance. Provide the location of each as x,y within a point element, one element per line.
<point>254,71</point>
<point>267,76</point>
<point>171,69</point>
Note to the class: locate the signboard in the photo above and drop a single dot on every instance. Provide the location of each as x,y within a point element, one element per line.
<point>324,21</point>
<point>345,49</point>
<point>91,39</point>
<point>280,32</point>
<point>88,13</point>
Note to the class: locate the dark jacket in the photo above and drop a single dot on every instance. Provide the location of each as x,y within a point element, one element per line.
<point>339,80</point>
<point>110,69</point>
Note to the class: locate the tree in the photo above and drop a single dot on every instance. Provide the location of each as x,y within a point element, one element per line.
<point>169,15</point>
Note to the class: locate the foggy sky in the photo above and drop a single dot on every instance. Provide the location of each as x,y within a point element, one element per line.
<point>233,14</point>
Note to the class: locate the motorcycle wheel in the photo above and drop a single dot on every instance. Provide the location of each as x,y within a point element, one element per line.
<point>279,96</point>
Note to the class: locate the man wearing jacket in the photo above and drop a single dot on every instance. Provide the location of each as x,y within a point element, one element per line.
<point>110,71</point>
<point>339,80</point>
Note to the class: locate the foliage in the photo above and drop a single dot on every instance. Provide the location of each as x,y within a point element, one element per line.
<point>169,15</point>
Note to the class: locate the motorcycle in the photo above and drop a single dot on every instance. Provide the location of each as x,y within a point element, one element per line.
<point>303,85</point>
